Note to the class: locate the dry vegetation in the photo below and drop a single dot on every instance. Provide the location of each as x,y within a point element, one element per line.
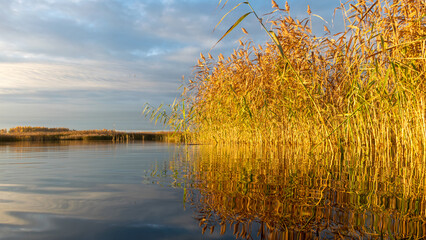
<point>320,134</point>
<point>28,133</point>
<point>29,129</point>
<point>363,88</point>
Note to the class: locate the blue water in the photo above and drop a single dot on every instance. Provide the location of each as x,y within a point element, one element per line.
<point>77,190</point>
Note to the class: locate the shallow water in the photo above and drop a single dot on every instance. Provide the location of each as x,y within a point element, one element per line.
<point>101,190</point>
<point>92,190</point>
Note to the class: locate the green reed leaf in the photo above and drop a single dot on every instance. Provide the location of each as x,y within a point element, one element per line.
<point>232,27</point>
<point>226,14</point>
<point>277,42</point>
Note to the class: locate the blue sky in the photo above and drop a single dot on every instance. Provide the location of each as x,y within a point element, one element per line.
<point>92,64</point>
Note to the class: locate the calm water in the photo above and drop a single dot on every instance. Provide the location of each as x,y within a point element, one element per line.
<point>90,191</point>
<point>76,190</point>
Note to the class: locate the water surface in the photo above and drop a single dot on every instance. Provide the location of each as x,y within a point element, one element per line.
<point>76,190</point>
<point>102,190</point>
<point>287,193</point>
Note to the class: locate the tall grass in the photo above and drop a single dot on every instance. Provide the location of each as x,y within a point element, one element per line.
<point>29,129</point>
<point>362,88</point>
<point>36,134</point>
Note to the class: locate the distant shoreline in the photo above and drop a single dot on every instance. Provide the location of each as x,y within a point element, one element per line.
<point>86,135</point>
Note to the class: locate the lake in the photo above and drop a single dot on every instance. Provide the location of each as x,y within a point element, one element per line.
<point>101,190</point>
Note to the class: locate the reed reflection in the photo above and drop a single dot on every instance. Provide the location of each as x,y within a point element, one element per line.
<point>284,194</point>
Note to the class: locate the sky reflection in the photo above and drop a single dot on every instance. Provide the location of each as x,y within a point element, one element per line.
<point>91,191</point>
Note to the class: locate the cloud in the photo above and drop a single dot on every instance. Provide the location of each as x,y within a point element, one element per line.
<point>104,29</point>
<point>125,45</point>
<point>128,30</point>
<point>63,50</point>
<point>89,76</point>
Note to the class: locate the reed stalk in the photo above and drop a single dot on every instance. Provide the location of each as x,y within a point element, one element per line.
<point>363,88</point>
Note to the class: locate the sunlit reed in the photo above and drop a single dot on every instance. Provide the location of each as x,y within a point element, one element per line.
<point>363,88</point>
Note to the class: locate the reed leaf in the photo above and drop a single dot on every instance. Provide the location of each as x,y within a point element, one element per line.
<point>232,27</point>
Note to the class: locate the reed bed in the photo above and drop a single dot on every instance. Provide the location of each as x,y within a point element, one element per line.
<point>29,129</point>
<point>310,137</point>
<point>37,134</point>
<point>362,88</point>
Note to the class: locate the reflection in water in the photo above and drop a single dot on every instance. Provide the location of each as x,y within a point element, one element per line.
<point>261,194</point>
<point>97,190</point>
<point>76,190</point>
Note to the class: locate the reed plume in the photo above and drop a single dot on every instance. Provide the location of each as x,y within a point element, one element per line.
<point>363,88</point>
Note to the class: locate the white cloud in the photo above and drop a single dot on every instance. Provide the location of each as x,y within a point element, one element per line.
<point>65,49</point>
<point>89,76</point>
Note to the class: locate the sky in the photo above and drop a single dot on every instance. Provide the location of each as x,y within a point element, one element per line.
<point>93,64</point>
